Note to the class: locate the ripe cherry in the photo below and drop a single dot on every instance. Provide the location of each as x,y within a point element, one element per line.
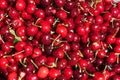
<point>20,5</point>
<point>61,30</point>
<point>42,72</point>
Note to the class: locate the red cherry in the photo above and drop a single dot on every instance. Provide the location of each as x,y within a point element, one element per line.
<point>32,30</point>
<point>54,73</point>
<point>61,30</point>
<point>83,63</point>
<point>3,4</point>
<point>68,73</point>
<point>3,63</point>
<point>36,52</point>
<point>31,8</point>
<point>43,72</point>
<point>99,76</point>
<point>112,58</point>
<point>12,76</point>
<point>20,5</point>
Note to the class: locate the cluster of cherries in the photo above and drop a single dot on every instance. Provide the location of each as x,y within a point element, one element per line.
<point>59,40</point>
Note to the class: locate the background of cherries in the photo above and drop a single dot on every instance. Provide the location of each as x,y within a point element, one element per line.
<point>59,40</point>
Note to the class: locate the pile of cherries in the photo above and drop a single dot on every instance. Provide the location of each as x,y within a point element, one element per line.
<point>59,40</point>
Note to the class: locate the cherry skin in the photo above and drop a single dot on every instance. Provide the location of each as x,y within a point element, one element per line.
<point>43,72</point>
<point>28,50</point>
<point>68,73</point>
<point>12,76</point>
<point>20,5</point>
<point>61,30</point>
<point>46,27</point>
<point>112,58</point>
<point>98,76</point>
<point>59,53</point>
<point>54,73</point>
<point>32,77</point>
<point>39,13</point>
<point>3,4</point>
<point>31,8</point>
<point>61,14</point>
<point>3,63</point>
<point>62,63</point>
<point>60,3</point>
<point>83,63</point>
<point>32,30</point>
<point>6,47</point>
<point>81,30</point>
<point>36,52</point>
<point>117,49</point>
<point>21,31</point>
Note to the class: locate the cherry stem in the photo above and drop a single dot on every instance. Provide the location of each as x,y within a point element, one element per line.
<point>92,75</point>
<point>80,53</point>
<point>34,63</point>
<point>17,53</point>
<point>64,10</point>
<point>117,59</point>
<point>22,63</point>
<point>57,20</point>
<point>105,68</point>
<point>1,39</point>
<point>95,56</point>
<point>55,40</point>
<point>110,46</point>
<point>37,21</point>
<point>10,67</point>
<point>67,55</point>
<point>117,30</point>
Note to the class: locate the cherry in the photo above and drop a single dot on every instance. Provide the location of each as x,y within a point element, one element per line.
<point>60,3</point>
<point>54,73</point>
<point>16,23</point>
<point>45,39</point>
<point>3,4</point>
<point>13,13</point>
<point>20,5</point>
<point>36,52</point>
<point>62,63</point>
<point>21,31</point>
<point>3,63</point>
<point>32,77</point>
<point>32,30</point>
<point>31,8</point>
<point>46,2</point>
<point>116,68</point>
<point>59,53</point>
<point>112,58</point>
<point>68,73</point>
<point>6,47</point>
<point>28,50</point>
<point>99,19</point>
<point>61,14</point>
<point>62,30</point>
<point>45,26</point>
<point>39,13</point>
<point>83,63</point>
<point>98,76</point>
<point>9,37</point>
<point>81,30</point>
<point>43,72</point>
<point>25,15</point>
<point>12,76</point>
<point>117,49</point>
<point>111,39</point>
<point>116,77</point>
<point>50,10</point>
